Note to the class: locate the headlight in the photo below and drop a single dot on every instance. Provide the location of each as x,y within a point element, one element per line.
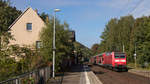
<point>116,60</point>
<point>123,60</point>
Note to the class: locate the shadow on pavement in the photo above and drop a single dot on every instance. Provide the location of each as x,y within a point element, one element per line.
<point>100,72</point>
<point>70,71</point>
<point>74,68</point>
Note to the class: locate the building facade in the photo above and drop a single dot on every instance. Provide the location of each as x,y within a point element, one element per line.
<point>26,28</point>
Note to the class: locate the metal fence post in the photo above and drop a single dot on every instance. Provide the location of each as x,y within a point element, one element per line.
<point>17,81</point>
<point>30,75</point>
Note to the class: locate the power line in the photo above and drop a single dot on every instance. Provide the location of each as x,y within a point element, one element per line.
<point>126,5</point>
<point>135,7</point>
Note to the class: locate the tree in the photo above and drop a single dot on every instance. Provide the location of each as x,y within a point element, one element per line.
<point>130,33</point>
<point>108,37</point>
<point>63,47</point>
<point>117,34</point>
<point>126,25</point>
<point>95,48</point>
<point>7,15</point>
<point>140,39</point>
<point>44,16</point>
<point>81,49</point>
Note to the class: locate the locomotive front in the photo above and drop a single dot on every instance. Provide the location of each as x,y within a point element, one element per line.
<point>119,60</point>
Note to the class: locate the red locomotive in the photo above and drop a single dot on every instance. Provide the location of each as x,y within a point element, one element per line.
<point>114,60</point>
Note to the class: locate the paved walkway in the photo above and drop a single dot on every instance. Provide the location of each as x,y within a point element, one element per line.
<point>80,74</point>
<point>72,77</point>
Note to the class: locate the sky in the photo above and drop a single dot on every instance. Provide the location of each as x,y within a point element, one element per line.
<point>87,17</point>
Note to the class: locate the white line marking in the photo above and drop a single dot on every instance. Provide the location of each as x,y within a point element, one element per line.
<point>82,79</point>
<point>96,78</point>
<point>86,76</point>
<point>87,79</point>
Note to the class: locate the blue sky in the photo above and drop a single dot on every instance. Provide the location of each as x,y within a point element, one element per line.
<point>87,17</point>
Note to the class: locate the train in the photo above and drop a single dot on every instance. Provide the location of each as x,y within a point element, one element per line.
<point>113,60</point>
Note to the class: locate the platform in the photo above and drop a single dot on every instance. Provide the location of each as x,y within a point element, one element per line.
<point>80,74</point>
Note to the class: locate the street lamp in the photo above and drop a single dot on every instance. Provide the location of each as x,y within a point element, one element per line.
<point>135,55</point>
<point>54,47</point>
<point>75,54</point>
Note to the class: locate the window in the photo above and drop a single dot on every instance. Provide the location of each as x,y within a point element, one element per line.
<point>38,44</point>
<point>122,56</point>
<point>116,56</point>
<point>119,55</point>
<point>29,26</point>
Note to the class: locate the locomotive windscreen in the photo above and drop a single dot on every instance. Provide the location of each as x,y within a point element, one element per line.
<point>119,55</point>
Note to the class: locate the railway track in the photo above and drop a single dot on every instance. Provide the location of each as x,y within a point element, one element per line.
<point>111,77</point>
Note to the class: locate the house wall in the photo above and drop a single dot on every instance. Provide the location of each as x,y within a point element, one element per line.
<point>21,35</point>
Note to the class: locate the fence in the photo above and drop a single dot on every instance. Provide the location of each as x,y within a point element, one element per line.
<point>39,76</point>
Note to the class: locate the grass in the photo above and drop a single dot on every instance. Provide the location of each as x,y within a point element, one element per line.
<point>138,66</point>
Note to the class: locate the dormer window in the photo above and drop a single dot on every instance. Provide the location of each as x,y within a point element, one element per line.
<point>29,26</point>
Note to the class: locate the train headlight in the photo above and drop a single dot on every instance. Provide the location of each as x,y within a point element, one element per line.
<point>123,60</point>
<point>116,60</point>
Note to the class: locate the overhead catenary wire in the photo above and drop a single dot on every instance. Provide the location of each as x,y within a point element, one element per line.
<point>132,10</point>
<point>121,10</point>
<point>135,7</point>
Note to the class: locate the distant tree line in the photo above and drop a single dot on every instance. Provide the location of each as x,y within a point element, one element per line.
<point>130,33</point>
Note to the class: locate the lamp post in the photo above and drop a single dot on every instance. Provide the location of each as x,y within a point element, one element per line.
<point>135,55</point>
<point>75,54</point>
<point>54,47</point>
<point>123,48</point>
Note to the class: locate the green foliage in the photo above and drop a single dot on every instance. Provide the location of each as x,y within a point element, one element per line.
<point>27,60</point>
<point>82,51</point>
<point>8,68</point>
<point>7,15</point>
<point>44,16</point>
<point>117,34</point>
<point>30,80</point>
<point>95,49</point>
<point>130,32</point>
<point>141,38</point>
<point>63,47</point>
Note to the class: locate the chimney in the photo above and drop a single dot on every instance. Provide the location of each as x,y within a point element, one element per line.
<point>36,11</point>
